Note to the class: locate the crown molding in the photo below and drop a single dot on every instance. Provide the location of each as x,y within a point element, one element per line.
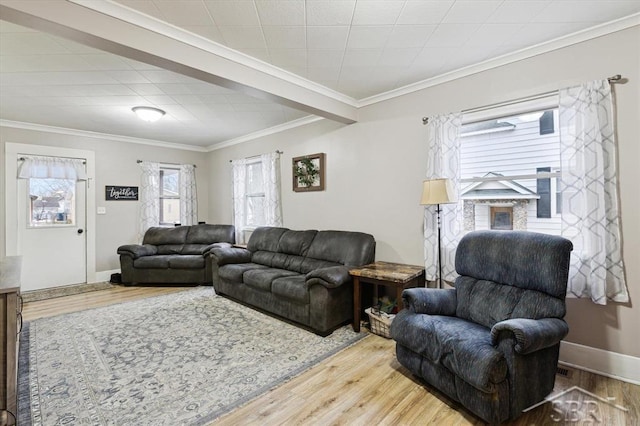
<point>96,135</point>
<point>538,49</point>
<point>266,132</point>
<point>132,16</point>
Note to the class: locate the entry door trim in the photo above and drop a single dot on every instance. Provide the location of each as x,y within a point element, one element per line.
<point>11,214</point>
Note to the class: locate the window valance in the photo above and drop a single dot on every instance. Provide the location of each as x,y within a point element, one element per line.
<point>52,168</point>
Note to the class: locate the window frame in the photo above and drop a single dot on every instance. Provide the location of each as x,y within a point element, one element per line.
<point>161,196</point>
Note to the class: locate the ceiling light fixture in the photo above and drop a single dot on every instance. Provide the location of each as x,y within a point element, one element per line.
<point>149,114</point>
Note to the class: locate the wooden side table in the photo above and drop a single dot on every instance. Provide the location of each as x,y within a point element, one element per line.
<point>396,275</point>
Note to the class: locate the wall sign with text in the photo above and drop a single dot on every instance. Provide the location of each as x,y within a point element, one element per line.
<point>120,193</point>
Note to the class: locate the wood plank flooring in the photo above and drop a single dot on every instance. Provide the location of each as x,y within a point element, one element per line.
<point>365,385</point>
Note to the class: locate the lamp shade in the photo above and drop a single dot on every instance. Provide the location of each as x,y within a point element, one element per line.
<point>148,113</point>
<point>437,191</point>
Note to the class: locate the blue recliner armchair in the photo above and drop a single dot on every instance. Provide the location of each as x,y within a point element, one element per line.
<point>492,342</point>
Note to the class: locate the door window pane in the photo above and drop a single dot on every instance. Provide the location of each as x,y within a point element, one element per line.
<point>52,202</point>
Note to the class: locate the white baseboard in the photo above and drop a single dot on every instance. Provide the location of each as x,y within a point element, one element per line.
<point>102,276</point>
<point>610,364</point>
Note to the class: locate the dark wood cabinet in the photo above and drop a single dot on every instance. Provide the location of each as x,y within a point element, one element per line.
<point>10,326</point>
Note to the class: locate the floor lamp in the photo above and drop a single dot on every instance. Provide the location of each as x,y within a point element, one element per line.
<point>436,192</point>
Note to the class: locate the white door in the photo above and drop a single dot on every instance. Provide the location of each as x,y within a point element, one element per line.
<point>51,218</point>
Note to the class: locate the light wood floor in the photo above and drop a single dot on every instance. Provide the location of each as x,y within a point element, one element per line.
<point>365,385</point>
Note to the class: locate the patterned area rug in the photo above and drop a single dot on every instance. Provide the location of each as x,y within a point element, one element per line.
<point>185,358</point>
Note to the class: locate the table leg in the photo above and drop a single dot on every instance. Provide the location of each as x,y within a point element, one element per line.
<point>356,304</point>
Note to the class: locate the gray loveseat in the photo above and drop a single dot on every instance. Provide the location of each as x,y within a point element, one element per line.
<point>178,255</point>
<point>491,343</point>
<point>302,276</point>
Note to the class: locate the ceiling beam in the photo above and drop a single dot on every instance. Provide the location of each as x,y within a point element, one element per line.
<point>153,42</point>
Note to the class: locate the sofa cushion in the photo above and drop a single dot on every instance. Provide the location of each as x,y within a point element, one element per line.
<point>346,248</point>
<point>152,262</point>
<point>293,288</point>
<point>194,248</point>
<point>158,235</point>
<point>207,234</point>
<point>312,264</point>
<point>262,278</point>
<point>186,261</point>
<point>233,272</point>
<point>461,346</point>
<point>296,242</point>
<point>265,238</point>
<point>170,249</point>
<point>506,302</point>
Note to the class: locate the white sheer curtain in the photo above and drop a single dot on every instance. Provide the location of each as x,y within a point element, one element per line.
<point>239,180</point>
<point>443,161</point>
<point>188,195</point>
<point>590,217</point>
<point>271,182</point>
<point>149,197</point>
<point>52,167</point>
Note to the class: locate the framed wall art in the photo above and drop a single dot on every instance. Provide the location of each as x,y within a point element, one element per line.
<point>309,173</point>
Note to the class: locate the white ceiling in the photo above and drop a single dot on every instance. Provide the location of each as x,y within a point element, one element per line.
<point>338,51</point>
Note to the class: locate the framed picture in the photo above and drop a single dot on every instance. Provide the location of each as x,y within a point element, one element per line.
<point>308,173</point>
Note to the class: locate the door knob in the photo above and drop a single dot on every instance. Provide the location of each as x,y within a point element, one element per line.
<point>80,231</point>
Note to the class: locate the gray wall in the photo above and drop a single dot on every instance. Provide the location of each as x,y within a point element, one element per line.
<point>375,167</point>
<point>115,165</point>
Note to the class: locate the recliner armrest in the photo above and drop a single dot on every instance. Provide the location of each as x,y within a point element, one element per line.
<point>432,301</point>
<point>227,255</point>
<point>531,335</point>
<point>330,277</point>
<point>138,250</point>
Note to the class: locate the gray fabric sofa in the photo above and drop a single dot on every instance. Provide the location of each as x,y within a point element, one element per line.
<point>302,276</point>
<point>178,255</point>
<point>491,343</point>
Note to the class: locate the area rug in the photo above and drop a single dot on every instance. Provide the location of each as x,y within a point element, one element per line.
<point>179,359</point>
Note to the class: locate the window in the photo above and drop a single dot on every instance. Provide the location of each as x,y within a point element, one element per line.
<point>52,202</point>
<point>169,196</point>
<point>254,195</point>
<point>509,169</point>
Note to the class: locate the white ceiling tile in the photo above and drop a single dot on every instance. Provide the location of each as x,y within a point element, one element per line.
<point>424,12</point>
<point>234,13</point>
<point>317,58</point>
<point>405,36</point>
<point>27,43</point>
<point>451,35</point>
<point>511,12</point>
<point>146,89</point>
<point>398,57</point>
<point>491,35</point>
<point>320,74</point>
<point>327,37</point>
<point>288,57</point>
<point>135,77</point>
<point>470,11</point>
<point>368,37</point>
<point>377,12</point>
<point>214,99</point>
<point>105,62</point>
<point>285,37</point>
<point>175,88</point>
<point>586,11</point>
<point>281,12</point>
<point>262,54</point>
<point>335,12</point>
<point>184,12</point>
<point>8,27</point>
<point>531,34</point>
<point>145,6</point>
<point>243,37</point>
<point>361,57</point>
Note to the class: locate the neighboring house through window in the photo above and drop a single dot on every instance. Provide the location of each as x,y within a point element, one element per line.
<point>509,168</point>
<point>169,196</point>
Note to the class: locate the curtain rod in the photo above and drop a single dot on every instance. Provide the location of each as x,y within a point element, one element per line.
<point>162,162</point>
<point>612,80</point>
<point>68,158</point>
<point>256,156</point>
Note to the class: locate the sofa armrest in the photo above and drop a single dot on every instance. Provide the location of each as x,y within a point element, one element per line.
<point>531,335</point>
<point>331,277</point>
<point>206,250</point>
<point>138,250</point>
<point>226,255</point>
<point>432,301</point>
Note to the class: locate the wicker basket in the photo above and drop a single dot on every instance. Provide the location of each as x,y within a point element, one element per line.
<point>380,322</point>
